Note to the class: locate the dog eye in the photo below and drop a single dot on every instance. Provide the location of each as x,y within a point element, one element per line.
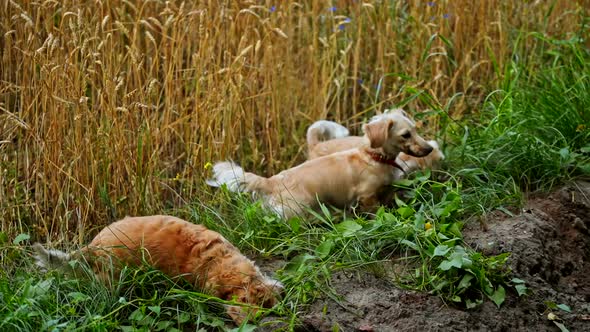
<point>407,135</point>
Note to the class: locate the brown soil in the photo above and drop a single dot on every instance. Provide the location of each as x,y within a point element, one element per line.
<point>550,244</point>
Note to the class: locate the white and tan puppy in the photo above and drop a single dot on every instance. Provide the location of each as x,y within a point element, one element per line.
<point>340,179</point>
<point>177,248</point>
<point>327,137</point>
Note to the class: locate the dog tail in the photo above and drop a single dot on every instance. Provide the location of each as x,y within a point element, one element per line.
<point>51,259</point>
<point>324,130</point>
<point>236,179</point>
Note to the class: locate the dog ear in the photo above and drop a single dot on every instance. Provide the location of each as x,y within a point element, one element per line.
<point>378,131</point>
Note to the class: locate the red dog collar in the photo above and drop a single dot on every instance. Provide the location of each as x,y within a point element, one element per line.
<point>384,160</point>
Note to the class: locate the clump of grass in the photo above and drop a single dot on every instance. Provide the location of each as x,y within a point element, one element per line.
<point>532,134</point>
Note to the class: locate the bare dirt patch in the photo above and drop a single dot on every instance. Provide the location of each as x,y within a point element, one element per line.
<point>550,244</point>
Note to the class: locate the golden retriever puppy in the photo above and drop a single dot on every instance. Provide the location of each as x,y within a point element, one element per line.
<point>177,248</point>
<point>340,179</point>
<point>327,137</point>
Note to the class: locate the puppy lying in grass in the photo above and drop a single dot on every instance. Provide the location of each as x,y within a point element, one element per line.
<point>327,137</point>
<point>177,248</point>
<point>340,179</point>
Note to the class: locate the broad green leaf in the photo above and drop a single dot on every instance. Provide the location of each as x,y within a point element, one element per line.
<point>183,317</point>
<point>42,287</point>
<point>295,224</point>
<point>399,202</point>
<point>585,168</point>
<point>155,308</point>
<point>466,261</point>
<point>445,209</point>
<point>440,284</point>
<point>136,315</point>
<point>419,220</point>
<point>348,228</point>
<point>521,289</point>
<point>410,244</point>
<point>457,260</point>
<point>441,250</point>
<point>423,176</point>
<point>455,229</point>
<point>389,217</point>
<point>561,326</point>
<point>20,238</point>
<point>446,265</point>
<point>297,263</point>
<point>465,281</point>
<point>269,219</point>
<point>442,237</point>
<point>323,250</point>
<point>564,307</point>
<point>499,296</point>
<point>405,212</point>
<point>564,153</point>
<point>404,182</point>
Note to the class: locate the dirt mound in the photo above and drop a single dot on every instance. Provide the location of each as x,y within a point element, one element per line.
<point>550,244</point>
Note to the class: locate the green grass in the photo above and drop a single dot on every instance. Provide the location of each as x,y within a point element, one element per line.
<point>532,134</point>
<point>422,234</point>
<point>143,299</point>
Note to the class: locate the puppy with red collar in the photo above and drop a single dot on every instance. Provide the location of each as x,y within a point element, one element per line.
<point>341,179</point>
<point>327,137</point>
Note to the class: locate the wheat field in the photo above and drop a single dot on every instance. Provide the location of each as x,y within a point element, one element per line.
<point>113,108</point>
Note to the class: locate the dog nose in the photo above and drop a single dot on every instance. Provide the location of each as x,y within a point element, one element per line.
<point>428,150</point>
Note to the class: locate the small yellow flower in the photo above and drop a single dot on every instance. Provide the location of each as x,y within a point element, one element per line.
<point>427,226</point>
<point>580,128</point>
<point>208,165</point>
